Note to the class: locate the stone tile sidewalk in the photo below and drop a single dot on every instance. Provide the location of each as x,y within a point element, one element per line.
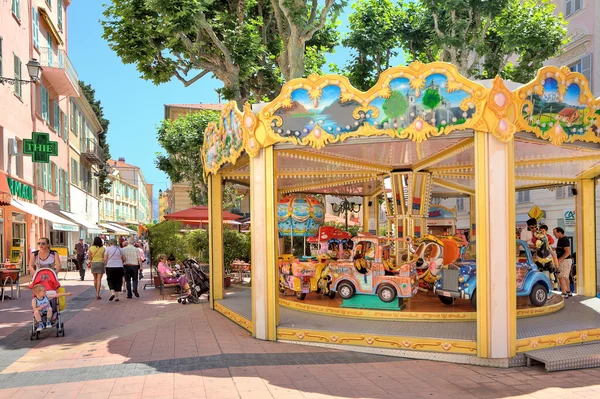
<point>152,347</point>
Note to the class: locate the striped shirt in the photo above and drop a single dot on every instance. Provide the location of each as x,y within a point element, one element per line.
<point>132,255</point>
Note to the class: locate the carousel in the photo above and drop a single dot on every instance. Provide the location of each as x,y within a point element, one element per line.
<point>422,132</point>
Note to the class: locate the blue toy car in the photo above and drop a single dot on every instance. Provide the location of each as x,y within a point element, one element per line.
<point>459,280</point>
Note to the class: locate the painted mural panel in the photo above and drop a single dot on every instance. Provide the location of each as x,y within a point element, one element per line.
<point>224,143</point>
<point>299,216</point>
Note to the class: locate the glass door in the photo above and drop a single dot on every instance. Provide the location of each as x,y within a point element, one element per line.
<point>17,249</point>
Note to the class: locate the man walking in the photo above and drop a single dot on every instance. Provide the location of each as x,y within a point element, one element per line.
<point>563,252</point>
<point>81,250</point>
<point>133,262</point>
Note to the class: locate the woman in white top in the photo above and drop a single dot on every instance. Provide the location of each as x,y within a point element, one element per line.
<point>113,259</point>
<point>44,257</point>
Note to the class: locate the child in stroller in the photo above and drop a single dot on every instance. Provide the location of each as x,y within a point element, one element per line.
<point>41,305</point>
<point>45,302</point>
<point>198,281</point>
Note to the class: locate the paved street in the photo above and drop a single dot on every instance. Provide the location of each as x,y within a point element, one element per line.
<point>150,347</point>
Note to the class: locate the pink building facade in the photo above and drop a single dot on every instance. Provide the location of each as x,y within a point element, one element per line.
<point>34,29</point>
<point>582,52</point>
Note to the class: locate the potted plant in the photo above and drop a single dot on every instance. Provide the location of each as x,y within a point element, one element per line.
<point>227,277</point>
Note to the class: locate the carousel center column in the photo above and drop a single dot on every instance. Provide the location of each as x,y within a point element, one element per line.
<point>496,247</point>
<point>215,236</point>
<point>585,210</point>
<point>263,205</point>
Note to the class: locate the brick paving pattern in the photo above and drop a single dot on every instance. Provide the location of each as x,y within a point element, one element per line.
<point>151,347</point>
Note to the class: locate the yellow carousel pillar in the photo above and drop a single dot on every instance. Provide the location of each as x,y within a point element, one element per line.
<point>496,273</point>
<point>472,223</point>
<point>215,236</point>
<point>366,213</point>
<point>585,210</point>
<point>263,189</point>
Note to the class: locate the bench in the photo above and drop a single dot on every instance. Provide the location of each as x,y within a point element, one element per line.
<point>162,285</point>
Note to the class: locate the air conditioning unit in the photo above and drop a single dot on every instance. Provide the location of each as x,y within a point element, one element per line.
<point>13,147</point>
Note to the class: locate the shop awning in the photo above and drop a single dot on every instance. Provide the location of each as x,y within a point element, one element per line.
<point>89,226</point>
<point>58,223</point>
<point>118,226</point>
<point>113,229</point>
<point>5,194</point>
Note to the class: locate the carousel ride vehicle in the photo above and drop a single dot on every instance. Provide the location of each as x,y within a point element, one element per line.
<point>430,256</point>
<point>459,280</point>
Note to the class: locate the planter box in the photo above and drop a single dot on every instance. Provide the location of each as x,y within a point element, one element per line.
<point>156,282</point>
<point>227,281</point>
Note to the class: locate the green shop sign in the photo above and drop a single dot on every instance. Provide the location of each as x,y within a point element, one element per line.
<point>40,147</point>
<point>20,190</point>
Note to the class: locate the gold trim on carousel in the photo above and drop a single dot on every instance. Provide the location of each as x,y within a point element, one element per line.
<point>556,340</point>
<point>418,131</point>
<point>453,186</point>
<point>564,78</point>
<point>233,316</point>
<point>443,345</point>
<point>326,184</point>
<point>286,174</point>
<point>333,160</point>
<point>372,314</point>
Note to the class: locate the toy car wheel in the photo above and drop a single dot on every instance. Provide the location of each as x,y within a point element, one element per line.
<point>446,300</point>
<point>331,294</point>
<point>386,293</point>
<point>474,299</point>
<point>538,295</point>
<point>346,290</point>
<point>300,295</point>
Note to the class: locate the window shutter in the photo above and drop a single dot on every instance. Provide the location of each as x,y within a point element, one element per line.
<point>67,203</point>
<point>50,50</point>
<point>17,85</point>
<point>44,177</point>
<point>56,180</point>
<point>560,192</point>
<point>36,28</point>
<point>59,10</point>
<point>45,116</point>
<point>586,68</point>
<point>577,5</point>
<point>16,8</point>
<point>57,118</point>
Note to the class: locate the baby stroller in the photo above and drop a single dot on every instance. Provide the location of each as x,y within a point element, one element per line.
<point>197,279</point>
<point>49,279</point>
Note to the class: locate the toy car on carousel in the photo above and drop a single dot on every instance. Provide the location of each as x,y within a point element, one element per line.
<point>430,256</point>
<point>459,280</point>
<point>370,271</point>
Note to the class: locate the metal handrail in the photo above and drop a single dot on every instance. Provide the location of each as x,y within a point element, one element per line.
<point>58,58</point>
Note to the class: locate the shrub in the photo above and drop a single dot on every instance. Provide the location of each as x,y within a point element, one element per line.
<point>166,238</point>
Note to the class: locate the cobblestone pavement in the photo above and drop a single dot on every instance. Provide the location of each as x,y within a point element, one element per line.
<point>151,347</point>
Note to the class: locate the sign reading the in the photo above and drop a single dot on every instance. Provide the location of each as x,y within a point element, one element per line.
<point>40,147</point>
<point>20,190</point>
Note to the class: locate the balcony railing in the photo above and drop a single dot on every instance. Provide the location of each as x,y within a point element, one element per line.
<point>92,152</point>
<point>58,70</point>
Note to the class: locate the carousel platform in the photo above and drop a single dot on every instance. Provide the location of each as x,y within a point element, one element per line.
<point>567,357</point>
<point>578,322</point>
<point>422,307</point>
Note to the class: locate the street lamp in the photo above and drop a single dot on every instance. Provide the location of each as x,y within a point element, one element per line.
<point>35,73</point>
<point>346,206</point>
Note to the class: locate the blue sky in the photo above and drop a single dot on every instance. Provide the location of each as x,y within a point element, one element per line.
<point>135,106</point>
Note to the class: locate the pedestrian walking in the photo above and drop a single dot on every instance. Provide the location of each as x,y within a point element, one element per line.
<point>565,261</point>
<point>113,259</point>
<point>133,262</point>
<point>45,257</point>
<point>96,257</point>
<point>81,250</point>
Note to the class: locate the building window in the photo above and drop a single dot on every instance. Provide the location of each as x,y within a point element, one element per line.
<point>64,127</point>
<point>45,105</point>
<point>18,85</point>
<point>560,192</point>
<point>59,10</point>
<point>49,2</point>
<point>584,66</point>
<point>523,197</point>
<point>35,22</point>
<point>50,50</point>
<point>16,8</point>
<point>74,172</point>
<point>572,6</point>
<point>56,117</point>
<point>460,204</point>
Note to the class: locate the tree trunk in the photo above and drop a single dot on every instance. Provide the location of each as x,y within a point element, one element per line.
<point>295,52</point>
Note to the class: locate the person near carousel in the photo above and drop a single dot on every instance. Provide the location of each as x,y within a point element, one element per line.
<point>81,250</point>
<point>169,276</point>
<point>44,257</point>
<point>113,259</point>
<point>132,265</point>
<point>96,257</point>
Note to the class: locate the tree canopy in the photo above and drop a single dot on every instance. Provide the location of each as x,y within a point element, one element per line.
<point>249,45</point>
<point>182,140</point>
<point>510,38</point>
<point>90,95</point>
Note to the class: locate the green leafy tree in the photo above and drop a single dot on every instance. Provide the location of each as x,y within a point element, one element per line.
<point>182,140</point>
<point>166,238</point>
<point>481,37</point>
<point>90,94</point>
<point>247,45</point>
<point>374,38</point>
<point>431,99</point>
<point>395,106</point>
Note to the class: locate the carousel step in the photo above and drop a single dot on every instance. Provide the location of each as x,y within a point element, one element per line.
<point>570,357</point>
